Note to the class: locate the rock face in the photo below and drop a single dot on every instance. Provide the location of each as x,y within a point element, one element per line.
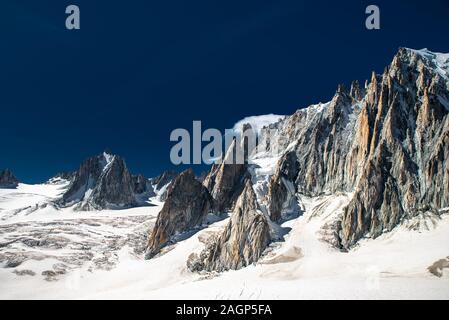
<point>187,205</point>
<point>69,176</point>
<point>7,179</point>
<point>162,182</point>
<point>165,178</point>
<point>241,243</point>
<point>61,178</point>
<point>388,143</point>
<point>225,180</point>
<point>282,191</point>
<point>406,155</point>
<point>102,182</point>
<point>142,185</point>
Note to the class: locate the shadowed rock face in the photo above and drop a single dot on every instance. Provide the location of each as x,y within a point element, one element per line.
<point>282,191</point>
<point>225,180</point>
<point>102,182</point>
<point>406,168</point>
<point>69,176</point>
<point>165,178</point>
<point>387,143</point>
<point>187,205</point>
<point>162,182</point>
<point>7,179</point>
<point>241,243</point>
<point>142,185</point>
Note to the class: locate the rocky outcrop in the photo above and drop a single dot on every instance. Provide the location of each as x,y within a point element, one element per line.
<point>187,205</point>
<point>66,175</point>
<point>388,143</point>
<point>241,243</point>
<point>202,176</point>
<point>142,185</point>
<point>282,192</point>
<point>162,182</point>
<point>7,179</point>
<point>406,167</point>
<point>225,180</point>
<point>102,182</point>
<point>165,178</point>
<point>62,178</point>
<point>314,144</point>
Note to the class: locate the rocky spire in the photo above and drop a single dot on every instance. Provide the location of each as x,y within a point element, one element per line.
<point>241,243</point>
<point>387,145</point>
<point>142,185</point>
<point>102,182</point>
<point>282,191</point>
<point>162,182</point>
<point>7,179</point>
<point>165,178</point>
<point>355,92</point>
<point>187,205</point>
<point>390,149</point>
<point>341,89</point>
<point>225,179</point>
<point>409,135</point>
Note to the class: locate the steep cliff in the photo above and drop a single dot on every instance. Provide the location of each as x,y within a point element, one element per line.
<point>187,205</point>
<point>241,243</point>
<point>7,179</point>
<point>102,182</point>
<point>388,143</point>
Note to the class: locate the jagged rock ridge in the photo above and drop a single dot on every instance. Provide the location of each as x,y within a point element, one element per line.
<point>225,180</point>
<point>102,182</point>
<point>7,179</point>
<point>187,205</point>
<point>388,143</point>
<point>241,243</point>
<point>142,185</point>
<point>162,183</point>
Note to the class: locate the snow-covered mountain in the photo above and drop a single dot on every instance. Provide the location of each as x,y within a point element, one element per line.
<point>386,143</point>
<point>344,199</point>
<point>102,182</point>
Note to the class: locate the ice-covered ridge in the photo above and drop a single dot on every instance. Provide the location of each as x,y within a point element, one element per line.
<point>439,60</point>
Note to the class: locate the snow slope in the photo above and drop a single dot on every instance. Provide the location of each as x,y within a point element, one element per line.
<point>103,257</point>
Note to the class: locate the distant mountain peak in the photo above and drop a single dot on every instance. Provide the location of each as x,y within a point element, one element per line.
<point>102,182</point>
<point>7,179</point>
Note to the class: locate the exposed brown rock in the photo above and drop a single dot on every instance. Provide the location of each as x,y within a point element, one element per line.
<point>407,168</point>
<point>225,180</point>
<point>187,205</point>
<point>388,143</point>
<point>241,243</point>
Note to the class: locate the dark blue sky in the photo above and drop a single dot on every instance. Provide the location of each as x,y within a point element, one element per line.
<point>139,69</point>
